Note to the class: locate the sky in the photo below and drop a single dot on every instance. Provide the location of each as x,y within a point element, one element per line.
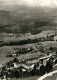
<point>29,3</point>
<point>21,6</point>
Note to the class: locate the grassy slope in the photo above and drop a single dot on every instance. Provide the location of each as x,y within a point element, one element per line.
<point>29,78</point>
<point>32,26</point>
<point>10,23</point>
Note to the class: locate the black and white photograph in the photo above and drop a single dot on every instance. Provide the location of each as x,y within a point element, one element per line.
<point>28,39</point>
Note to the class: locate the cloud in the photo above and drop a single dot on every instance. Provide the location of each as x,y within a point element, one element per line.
<point>48,3</point>
<point>30,3</point>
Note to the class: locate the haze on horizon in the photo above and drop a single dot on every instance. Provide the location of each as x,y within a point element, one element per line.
<point>30,9</point>
<point>5,4</point>
<point>12,11</point>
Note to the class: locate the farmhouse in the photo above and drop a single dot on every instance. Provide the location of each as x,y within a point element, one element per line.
<point>55,38</point>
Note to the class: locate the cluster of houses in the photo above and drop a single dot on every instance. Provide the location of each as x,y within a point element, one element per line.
<point>26,68</point>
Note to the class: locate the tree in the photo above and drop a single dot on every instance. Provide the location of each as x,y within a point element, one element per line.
<point>16,60</point>
<point>49,66</point>
<point>16,74</point>
<point>42,70</point>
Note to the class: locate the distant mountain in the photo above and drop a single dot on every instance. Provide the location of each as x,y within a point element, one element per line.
<point>5,18</point>
<point>27,21</point>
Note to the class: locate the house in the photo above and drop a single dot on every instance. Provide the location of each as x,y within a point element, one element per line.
<point>14,54</point>
<point>55,38</point>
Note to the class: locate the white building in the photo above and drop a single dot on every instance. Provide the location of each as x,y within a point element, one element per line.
<point>55,38</point>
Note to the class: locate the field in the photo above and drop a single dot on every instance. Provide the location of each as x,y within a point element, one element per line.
<point>29,78</point>
<point>9,49</point>
<point>5,50</point>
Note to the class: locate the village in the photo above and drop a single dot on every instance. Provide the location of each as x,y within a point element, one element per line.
<point>28,39</point>
<point>26,58</point>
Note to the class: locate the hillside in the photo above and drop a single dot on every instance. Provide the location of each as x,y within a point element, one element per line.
<point>13,24</point>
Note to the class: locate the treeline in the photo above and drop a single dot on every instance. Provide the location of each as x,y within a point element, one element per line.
<point>20,51</point>
<point>28,41</point>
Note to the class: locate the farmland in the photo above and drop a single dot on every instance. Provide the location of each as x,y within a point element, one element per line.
<point>4,50</point>
<point>29,52</point>
<point>28,40</point>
